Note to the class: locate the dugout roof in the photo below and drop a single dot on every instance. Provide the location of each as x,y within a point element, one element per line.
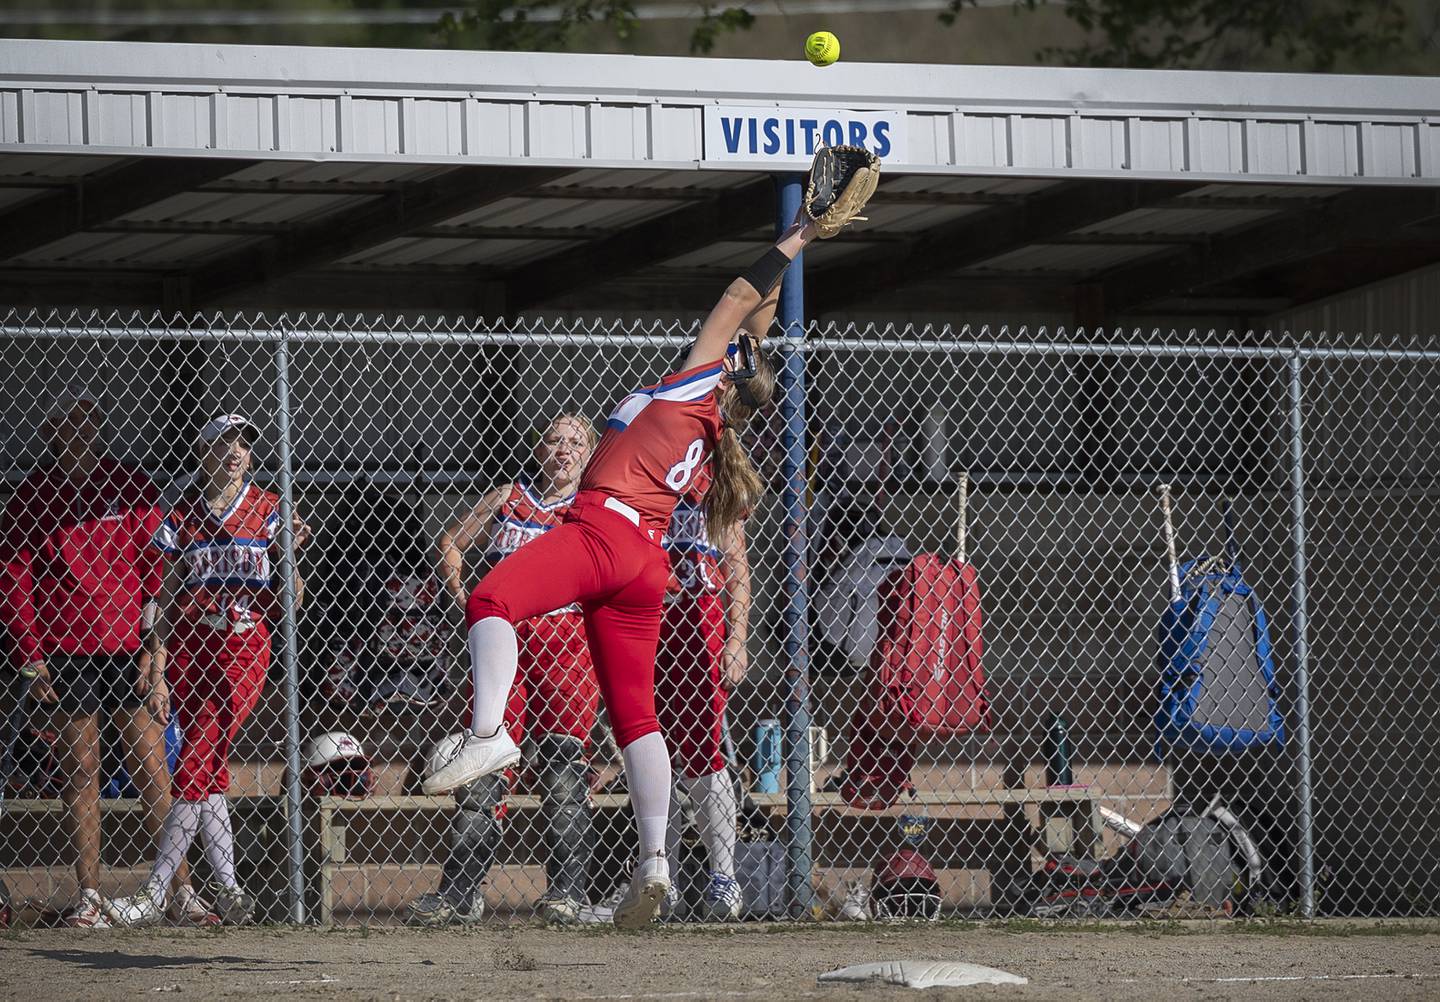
<point>198,176</point>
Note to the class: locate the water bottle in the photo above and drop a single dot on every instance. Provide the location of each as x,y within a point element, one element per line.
<point>1057,753</point>
<point>768,756</point>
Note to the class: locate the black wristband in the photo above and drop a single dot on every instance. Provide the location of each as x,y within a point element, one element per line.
<point>765,273</point>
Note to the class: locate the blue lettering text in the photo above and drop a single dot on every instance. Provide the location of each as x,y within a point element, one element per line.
<point>809,124</point>
<point>772,135</point>
<point>882,139</point>
<point>732,136</point>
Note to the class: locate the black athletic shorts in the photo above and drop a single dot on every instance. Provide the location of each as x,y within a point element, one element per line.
<point>86,684</point>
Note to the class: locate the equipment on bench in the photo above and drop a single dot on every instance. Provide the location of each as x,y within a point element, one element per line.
<point>925,676</point>
<point>1210,856</point>
<point>1217,689</point>
<point>336,766</point>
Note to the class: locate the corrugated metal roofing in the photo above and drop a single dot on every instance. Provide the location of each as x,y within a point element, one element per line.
<point>234,211</point>
<point>565,212</point>
<point>134,249</point>
<point>40,165</point>
<point>243,207</point>
<point>409,252</point>
<point>1180,222</point>
<point>1067,259</point>
<point>641,178</point>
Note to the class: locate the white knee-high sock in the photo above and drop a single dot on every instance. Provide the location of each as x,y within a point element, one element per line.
<point>647,773</point>
<point>494,658</point>
<point>715,810</point>
<point>182,823</point>
<point>219,838</point>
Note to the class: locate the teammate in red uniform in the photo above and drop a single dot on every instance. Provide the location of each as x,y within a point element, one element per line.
<point>219,546</point>
<point>555,696</point>
<point>75,581</point>
<point>607,555</point>
<point>702,658</point>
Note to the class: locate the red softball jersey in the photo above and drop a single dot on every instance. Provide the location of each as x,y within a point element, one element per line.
<point>76,567</point>
<point>657,442</point>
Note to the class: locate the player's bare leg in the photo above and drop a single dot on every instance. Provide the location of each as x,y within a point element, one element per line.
<point>80,764</point>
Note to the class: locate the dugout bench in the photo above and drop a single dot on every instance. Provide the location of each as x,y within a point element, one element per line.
<point>40,870</point>
<point>1056,819</point>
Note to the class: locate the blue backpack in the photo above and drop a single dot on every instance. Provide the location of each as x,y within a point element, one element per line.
<point>1217,690</point>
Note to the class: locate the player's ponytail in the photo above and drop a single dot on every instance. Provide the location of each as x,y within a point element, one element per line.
<point>736,487</point>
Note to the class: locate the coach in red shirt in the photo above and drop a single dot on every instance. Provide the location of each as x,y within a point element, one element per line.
<point>75,580</point>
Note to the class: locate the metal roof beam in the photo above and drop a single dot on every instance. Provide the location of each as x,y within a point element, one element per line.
<point>1356,216</point>
<point>725,213</point>
<point>980,236</point>
<point>96,199</point>
<point>416,206</point>
<point>237,229</point>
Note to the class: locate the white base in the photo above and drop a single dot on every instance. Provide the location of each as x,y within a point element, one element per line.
<point>923,974</point>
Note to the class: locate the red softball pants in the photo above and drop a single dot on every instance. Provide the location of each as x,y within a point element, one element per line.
<point>216,678</point>
<point>618,574</point>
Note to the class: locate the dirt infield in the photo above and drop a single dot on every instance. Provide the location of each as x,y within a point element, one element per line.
<point>1108,962</point>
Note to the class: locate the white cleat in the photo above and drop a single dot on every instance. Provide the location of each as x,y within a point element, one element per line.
<point>91,913</point>
<point>648,886</point>
<point>139,910</point>
<point>463,758</point>
<point>857,903</point>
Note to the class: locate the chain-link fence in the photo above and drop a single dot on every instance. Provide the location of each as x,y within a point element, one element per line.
<point>1173,649</point>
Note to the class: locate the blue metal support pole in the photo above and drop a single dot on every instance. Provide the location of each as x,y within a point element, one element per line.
<point>289,651</point>
<point>1302,644</point>
<point>798,822</point>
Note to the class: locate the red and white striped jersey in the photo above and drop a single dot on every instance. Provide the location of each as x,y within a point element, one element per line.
<point>657,441</point>
<point>521,517</point>
<point>224,557</point>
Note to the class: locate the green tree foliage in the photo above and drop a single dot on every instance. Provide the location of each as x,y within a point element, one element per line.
<point>547,24</point>
<point>1194,34</point>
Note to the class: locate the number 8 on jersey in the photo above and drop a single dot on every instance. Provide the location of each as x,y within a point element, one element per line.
<point>683,472</point>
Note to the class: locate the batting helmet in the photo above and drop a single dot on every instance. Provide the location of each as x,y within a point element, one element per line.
<point>906,888</point>
<point>336,766</point>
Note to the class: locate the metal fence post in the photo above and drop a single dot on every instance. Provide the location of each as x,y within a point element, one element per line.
<point>796,686</point>
<point>289,651</point>
<point>1302,644</point>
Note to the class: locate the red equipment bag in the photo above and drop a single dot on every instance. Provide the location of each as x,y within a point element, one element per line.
<point>925,678</point>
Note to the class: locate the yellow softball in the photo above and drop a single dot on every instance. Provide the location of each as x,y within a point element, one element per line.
<point>822,48</point>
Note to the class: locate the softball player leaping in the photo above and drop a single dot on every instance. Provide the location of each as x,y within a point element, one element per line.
<point>607,556</point>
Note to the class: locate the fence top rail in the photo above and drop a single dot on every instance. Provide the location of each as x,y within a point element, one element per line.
<point>1154,342</point>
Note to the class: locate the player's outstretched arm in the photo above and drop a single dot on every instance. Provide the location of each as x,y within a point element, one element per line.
<point>745,300</point>
<point>758,323</point>
<point>454,541</point>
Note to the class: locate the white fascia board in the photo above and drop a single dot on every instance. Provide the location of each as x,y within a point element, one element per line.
<point>584,110</point>
<point>579,74</point>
